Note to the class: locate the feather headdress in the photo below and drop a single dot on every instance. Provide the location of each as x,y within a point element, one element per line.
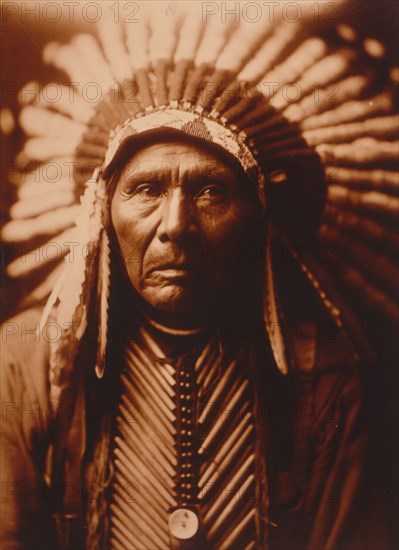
<point>311,119</point>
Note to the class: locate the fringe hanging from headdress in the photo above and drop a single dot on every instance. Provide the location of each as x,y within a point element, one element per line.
<point>103,289</point>
<point>272,316</point>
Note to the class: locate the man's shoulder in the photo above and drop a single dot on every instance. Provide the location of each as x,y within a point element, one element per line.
<point>326,369</point>
<point>25,356</point>
<point>318,348</point>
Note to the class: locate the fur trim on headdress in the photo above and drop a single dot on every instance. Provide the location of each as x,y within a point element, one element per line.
<point>72,294</point>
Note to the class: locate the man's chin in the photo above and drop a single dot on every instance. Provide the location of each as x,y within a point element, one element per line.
<point>175,298</point>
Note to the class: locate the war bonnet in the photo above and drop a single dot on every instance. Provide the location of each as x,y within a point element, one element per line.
<point>249,89</point>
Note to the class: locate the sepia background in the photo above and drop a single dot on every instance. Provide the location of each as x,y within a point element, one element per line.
<point>28,26</point>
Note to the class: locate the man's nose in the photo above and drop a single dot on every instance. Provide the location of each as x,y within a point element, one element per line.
<point>176,222</point>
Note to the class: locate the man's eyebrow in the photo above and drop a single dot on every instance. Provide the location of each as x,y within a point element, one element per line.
<point>197,173</point>
<point>213,171</point>
<point>135,175</point>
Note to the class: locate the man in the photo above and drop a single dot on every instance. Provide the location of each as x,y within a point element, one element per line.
<point>148,407</point>
<point>207,447</point>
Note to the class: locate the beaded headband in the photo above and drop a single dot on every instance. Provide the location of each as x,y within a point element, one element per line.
<point>190,123</point>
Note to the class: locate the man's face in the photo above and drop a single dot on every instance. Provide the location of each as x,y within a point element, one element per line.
<point>182,218</point>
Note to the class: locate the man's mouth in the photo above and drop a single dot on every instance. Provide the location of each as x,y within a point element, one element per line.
<point>175,271</point>
<point>175,266</point>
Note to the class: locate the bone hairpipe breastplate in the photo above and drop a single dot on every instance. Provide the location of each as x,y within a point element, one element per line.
<point>185,473</point>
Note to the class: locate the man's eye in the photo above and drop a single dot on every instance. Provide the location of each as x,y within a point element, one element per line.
<point>148,191</point>
<point>211,194</point>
